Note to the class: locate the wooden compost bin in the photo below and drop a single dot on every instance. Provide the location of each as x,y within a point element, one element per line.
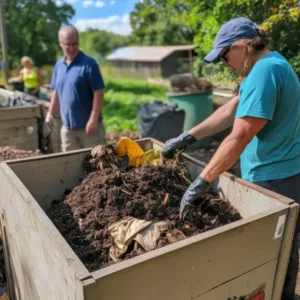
<point>19,127</point>
<point>232,260</point>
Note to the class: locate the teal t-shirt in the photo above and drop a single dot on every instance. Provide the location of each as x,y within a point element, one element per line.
<point>271,91</point>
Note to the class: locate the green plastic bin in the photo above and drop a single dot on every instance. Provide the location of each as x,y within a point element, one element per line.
<point>197,106</point>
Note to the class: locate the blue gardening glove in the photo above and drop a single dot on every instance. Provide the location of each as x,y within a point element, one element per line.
<point>180,142</point>
<point>194,191</point>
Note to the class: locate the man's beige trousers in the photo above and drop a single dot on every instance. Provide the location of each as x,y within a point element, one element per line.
<point>78,139</point>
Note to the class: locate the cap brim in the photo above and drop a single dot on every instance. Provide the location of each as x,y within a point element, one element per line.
<point>213,56</point>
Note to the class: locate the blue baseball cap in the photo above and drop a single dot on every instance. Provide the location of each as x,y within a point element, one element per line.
<point>234,30</point>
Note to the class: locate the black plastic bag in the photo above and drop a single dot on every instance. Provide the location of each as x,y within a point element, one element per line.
<point>160,120</point>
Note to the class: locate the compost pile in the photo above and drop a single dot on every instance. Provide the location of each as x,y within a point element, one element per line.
<point>88,215</point>
<point>188,83</point>
<point>8,153</point>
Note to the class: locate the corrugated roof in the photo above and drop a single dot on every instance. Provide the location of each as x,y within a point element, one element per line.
<point>146,53</point>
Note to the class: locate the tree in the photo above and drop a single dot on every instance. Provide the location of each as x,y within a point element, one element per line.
<point>283,25</point>
<point>156,22</point>
<point>100,43</point>
<point>32,27</point>
<point>280,18</point>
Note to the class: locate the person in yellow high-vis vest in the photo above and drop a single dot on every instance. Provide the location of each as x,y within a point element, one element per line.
<point>31,76</point>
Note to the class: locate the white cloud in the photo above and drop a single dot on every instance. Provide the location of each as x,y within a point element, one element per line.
<point>113,2</point>
<point>99,4</point>
<point>87,3</point>
<point>59,2</point>
<point>115,24</point>
<point>125,19</point>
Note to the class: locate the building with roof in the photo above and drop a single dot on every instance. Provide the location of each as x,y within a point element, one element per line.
<point>153,61</point>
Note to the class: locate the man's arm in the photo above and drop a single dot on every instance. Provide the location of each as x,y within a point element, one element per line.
<point>221,119</point>
<point>244,129</point>
<point>53,108</point>
<point>92,123</point>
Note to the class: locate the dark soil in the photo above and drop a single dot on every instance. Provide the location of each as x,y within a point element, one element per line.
<point>8,153</point>
<point>148,193</point>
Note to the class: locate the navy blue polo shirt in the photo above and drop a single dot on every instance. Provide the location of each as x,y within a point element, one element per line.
<point>75,84</point>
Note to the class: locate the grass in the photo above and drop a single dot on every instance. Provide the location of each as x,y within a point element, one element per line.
<point>123,97</point>
<point>122,100</point>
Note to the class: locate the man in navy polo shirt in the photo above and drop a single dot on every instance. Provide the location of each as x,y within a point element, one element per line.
<point>78,92</point>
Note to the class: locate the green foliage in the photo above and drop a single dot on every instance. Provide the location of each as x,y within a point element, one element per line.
<point>32,27</point>
<point>100,43</point>
<point>122,100</point>
<point>281,18</point>
<point>295,62</point>
<point>157,22</point>
<point>220,75</point>
<point>283,25</point>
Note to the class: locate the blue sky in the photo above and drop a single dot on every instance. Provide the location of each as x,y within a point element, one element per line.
<point>110,15</point>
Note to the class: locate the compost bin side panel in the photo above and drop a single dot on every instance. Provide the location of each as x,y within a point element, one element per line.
<point>284,255</point>
<point>191,267</point>
<point>41,270</point>
<point>48,177</point>
<point>18,127</point>
<point>15,113</point>
<point>257,282</point>
<point>23,134</point>
<point>246,197</point>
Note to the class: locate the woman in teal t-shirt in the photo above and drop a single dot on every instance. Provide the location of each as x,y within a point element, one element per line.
<point>266,123</point>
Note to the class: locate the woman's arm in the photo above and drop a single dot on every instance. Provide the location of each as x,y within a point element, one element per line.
<point>221,119</point>
<point>20,77</point>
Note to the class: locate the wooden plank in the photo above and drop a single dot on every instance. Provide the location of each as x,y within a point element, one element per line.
<point>44,265</point>
<point>13,140</point>
<point>63,171</point>
<point>20,143</point>
<point>222,94</point>
<point>18,123</point>
<point>193,266</point>
<point>260,278</point>
<point>22,133</point>
<point>205,261</point>
<point>45,104</point>
<point>227,181</point>
<point>285,251</point>
<point>49,177</point>
<point>19,132</point>
<point>30,146</point>
<point>12,113</point>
